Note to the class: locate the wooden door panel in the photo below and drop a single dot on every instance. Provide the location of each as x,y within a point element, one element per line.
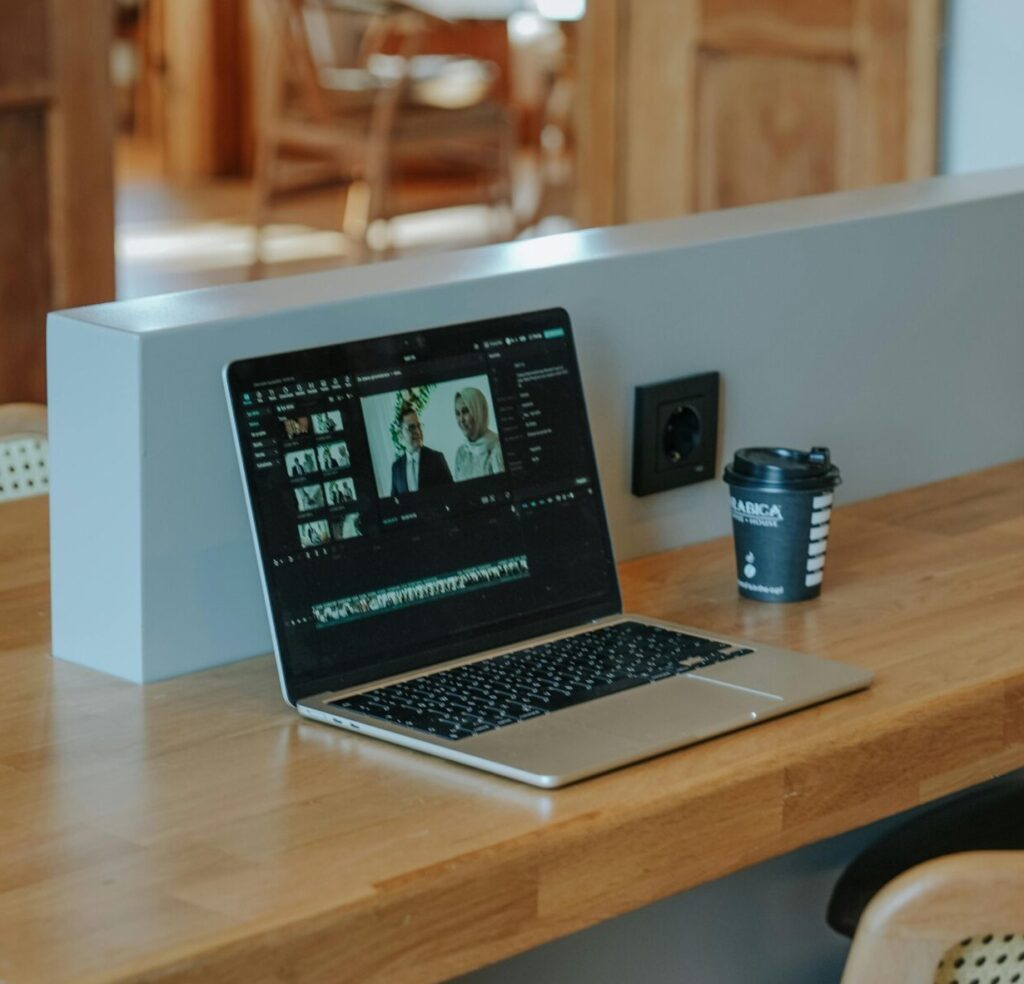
<point>809,27</point>
<point>699,104</point>
<point>23,46</point>
<point>769,128</point>
<point>655,124</point>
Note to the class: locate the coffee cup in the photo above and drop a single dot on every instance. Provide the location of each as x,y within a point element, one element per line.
<point>781,510</point>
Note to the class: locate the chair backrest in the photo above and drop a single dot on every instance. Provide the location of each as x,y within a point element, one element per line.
<point>366,52</point>
<point>24,464</point>
<point>959,919</point>
<point>326,47</point>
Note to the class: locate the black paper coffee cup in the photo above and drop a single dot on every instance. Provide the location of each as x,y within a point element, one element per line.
<point>781,509</point>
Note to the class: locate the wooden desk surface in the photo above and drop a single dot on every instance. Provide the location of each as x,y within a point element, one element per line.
<point>198,830</point>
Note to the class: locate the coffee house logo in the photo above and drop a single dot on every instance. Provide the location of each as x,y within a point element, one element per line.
<point>756,513</point>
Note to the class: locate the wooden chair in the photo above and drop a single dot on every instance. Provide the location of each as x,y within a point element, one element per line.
<point>959,918</point>
<point>335,107</point>
<point>24,467</point>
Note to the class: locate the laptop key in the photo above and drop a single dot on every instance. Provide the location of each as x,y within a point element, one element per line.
<point>505,690</point>
<point>616,686</point>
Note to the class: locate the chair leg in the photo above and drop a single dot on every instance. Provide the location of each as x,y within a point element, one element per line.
<point>505,185</point>
<point>355,220</point>
<point>387,250</point>
<point>262,195</point>
<point>377,206</point>
<point>273,21</point>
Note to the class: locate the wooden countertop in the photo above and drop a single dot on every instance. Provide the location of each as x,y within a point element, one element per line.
<point>198,829</point>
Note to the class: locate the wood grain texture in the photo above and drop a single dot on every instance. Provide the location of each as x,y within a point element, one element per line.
<point>56,176</point>
<point>24,55</point>
<point>25,276</point>
<point>769,128</point>
<point>25,279</point>
<point>921,915</point>
<point>81,153</point>
<point>22,418</point>
<point>204,82</point>
<point>923,54</point>
<point>731,102</point>
<point>596,195</point>
<point>190,82</point>
<point>198,830</point>
<point>657,113</point>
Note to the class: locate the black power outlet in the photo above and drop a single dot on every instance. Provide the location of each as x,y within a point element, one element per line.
<point>675,433</point>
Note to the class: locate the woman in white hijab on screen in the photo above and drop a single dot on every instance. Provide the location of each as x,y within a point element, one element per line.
<point>480,453</point>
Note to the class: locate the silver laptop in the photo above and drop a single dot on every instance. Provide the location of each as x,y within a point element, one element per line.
<point>437,566</point>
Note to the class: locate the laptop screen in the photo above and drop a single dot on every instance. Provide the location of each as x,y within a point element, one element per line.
<point>422,496</point>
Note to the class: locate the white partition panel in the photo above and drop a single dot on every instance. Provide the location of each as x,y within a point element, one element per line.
<point>887,324</point>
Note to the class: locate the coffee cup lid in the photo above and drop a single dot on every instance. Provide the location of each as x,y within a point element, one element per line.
<point>782,469</point>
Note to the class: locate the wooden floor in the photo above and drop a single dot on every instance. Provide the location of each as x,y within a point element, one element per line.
<point>172,237</point>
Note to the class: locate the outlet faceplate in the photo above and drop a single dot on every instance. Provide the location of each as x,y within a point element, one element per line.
<point>675,433</point>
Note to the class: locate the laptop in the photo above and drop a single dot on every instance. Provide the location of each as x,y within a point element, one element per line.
<point>438,569</point>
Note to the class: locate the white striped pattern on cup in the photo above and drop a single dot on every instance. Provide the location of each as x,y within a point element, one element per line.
<point>818,539</point>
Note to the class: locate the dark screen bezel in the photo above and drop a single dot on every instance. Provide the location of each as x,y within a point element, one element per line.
<point>245,372</point>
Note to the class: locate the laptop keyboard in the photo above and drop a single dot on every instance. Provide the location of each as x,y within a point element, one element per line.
<point>494,693</point>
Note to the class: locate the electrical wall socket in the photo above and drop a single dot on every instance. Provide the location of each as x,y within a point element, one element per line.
<point>675,433</point>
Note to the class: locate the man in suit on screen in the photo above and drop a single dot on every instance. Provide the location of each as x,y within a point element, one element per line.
<point>417,467</point>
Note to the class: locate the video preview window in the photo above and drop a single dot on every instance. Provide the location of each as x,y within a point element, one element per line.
<point>350,525</point>
<point>299,463</point>
<point>333,457</point>
<point>314,534</point>
<point>329,422</point>
<point>432,435</point>
<point>295,426</point>
<point>309,497</point>
<point>340,492</point>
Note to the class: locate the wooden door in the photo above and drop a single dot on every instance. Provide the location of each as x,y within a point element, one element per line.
<point>56,176</point>
<point>689,105</point>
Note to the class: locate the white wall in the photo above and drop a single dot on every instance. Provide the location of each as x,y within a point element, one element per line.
<point>983,86</point>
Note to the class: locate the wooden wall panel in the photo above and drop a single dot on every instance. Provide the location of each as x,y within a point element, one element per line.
<point>81,154</point>
<point>880,31</point>
<point>24,255</point>
<point>24,61</point>
<point>923,58</point>
<point>25,92</point>
<point>595,112</point>
<point>56,176</point>
<point>661,66</point>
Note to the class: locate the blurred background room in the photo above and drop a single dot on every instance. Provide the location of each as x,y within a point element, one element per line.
<point>149,146</point>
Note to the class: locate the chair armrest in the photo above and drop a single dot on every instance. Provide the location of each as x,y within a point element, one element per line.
<point>22,418</point>
<point>920,914</point>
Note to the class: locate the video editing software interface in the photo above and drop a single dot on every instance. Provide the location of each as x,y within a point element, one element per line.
<point>444,479</point>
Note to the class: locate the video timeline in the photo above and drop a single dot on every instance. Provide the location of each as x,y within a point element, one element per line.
<point>329,613</point>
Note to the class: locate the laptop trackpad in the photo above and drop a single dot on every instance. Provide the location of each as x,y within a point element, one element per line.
<point>686,706</point>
